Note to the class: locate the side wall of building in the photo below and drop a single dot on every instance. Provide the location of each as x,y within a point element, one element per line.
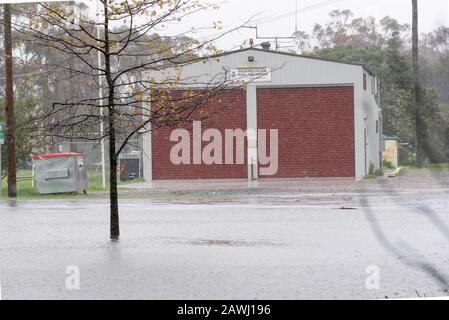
<point>373,125</point>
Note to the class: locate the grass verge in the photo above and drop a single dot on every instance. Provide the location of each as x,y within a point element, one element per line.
<point>25,190</point>
<point>375,175</point>
<point>441,167</point>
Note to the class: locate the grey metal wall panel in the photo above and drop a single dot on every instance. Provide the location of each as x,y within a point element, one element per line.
<point>287,70</point>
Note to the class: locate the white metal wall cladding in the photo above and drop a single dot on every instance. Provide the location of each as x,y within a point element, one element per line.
<point>287,70</point>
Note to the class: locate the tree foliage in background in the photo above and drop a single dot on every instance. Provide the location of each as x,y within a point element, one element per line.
<point>384,46</point>
<point>46,75</point>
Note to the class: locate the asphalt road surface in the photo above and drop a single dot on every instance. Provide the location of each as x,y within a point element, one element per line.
<point>392,244</point>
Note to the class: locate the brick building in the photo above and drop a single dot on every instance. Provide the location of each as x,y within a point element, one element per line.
<point>325,114</point>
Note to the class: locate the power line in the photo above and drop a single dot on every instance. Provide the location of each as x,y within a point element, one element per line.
<point>286,15</point>
<point>295,12</point>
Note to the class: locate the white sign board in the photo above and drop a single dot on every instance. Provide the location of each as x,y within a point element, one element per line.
<point>256,74</point>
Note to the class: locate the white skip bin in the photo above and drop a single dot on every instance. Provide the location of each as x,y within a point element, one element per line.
<point>60,173</point>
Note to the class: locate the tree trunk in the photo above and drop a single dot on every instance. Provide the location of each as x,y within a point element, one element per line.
<point>419,132</point>
<point>115,225</point>
<point>113,194</point>
<point>10,119</point>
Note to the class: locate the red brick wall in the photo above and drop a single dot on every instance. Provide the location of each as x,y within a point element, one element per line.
<point>316,133</point>
<point>316,130</point>
<point>229,112</point>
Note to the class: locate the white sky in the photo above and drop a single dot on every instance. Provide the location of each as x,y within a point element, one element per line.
<point>433,13</point>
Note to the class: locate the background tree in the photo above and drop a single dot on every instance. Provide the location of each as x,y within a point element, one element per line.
<point>36,85</point>
<point>385,46</point>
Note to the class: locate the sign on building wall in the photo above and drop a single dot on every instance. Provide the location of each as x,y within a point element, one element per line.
<point>257,74</point>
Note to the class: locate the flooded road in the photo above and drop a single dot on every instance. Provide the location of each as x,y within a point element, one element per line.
<point>273,249</point>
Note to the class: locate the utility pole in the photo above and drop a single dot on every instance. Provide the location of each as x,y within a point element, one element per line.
<point>417,88</point>
<point>10,119</point>
<point>100,95</point>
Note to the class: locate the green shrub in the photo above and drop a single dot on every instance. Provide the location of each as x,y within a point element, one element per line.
<point>371,168</point>
<point>387,164</point>
<point>375,174</point>
<point>410,161</point>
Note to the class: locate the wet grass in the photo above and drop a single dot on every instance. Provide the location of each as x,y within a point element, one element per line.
<point>26,191</point>
<point>374,175</point>
<point>441,167</point>
<point>431,168</point>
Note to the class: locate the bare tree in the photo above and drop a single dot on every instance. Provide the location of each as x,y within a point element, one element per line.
<point>141,72</point>
<point>10,119</point>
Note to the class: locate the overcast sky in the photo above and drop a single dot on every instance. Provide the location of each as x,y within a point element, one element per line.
<point>433,13</point>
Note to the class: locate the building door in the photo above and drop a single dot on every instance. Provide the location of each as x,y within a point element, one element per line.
<point>315,128</point>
